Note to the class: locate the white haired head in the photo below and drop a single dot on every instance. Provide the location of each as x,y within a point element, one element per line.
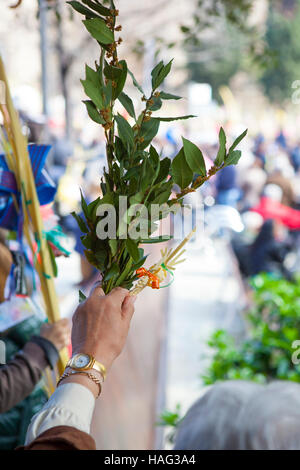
<point>241,415</point>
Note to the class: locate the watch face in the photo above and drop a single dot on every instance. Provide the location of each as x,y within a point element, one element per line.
<point>81,360</point>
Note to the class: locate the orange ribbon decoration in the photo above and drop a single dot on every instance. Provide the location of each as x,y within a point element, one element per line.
<point>153,280</point>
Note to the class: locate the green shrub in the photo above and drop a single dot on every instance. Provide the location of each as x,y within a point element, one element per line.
<point>171,420</point>
<point>266,353</point>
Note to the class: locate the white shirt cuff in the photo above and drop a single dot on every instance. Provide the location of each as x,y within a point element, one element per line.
<point>70,405</point>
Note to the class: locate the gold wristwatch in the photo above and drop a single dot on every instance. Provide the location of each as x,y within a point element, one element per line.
<point>82,362</point>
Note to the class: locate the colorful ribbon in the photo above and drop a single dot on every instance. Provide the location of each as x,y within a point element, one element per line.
<point>9,217</point>
<point>53,237</point>
<point>153,280</point>
<point>171,274</point>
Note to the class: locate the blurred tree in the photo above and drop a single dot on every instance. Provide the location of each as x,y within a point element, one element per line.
<point>223,44</point>
<point>283,36</point>
<point>208,13</point>
<point>216,60</point>
<point>220,40</point>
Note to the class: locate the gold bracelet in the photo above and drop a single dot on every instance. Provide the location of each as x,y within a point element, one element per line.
<point>88,374</point>
<point>96,372</point>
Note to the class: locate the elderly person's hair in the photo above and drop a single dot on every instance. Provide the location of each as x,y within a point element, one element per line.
<point>240,415</point>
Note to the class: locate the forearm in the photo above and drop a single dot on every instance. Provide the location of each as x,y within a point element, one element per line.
<point>19,376</point>
<point>72,404</point>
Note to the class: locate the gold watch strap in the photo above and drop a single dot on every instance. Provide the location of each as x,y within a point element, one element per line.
<point>100,368</point>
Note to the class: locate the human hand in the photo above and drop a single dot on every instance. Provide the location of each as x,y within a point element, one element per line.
<point>57,333</point>
<point>101,324</point>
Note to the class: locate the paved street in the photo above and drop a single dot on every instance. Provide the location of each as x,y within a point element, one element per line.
<point>206,296</point>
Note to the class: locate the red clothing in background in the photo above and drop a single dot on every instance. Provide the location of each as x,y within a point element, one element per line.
<point>270,209</point>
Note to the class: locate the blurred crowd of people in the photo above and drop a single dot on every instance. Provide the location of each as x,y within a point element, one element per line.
<point>264,191</point>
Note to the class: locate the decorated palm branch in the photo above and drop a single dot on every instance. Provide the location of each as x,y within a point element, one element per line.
<point>24,186</point>
<point>135,170</point>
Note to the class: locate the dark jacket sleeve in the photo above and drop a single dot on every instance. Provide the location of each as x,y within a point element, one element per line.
<point>19,376</point>
<point>62,438</point>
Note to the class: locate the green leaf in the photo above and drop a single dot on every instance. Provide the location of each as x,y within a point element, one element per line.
<point>132,172</point>
<point>99,31</point>
<point>111,72</point>
<point>185,29</point>
<point>147,176</point>
<point>93,112</point>
<point>109,198</point>
<point>159,73</point>
<point>97,7</point>
<point>125,131</point>
<point>80,222</point>
<point>101,257</point>
<point>148,131</point>
<point>179,118</point>
<point>238,140</point>
<point>84,205</point>
<point>86,241</point>
<point>157,104</point>
<point>127,103</point>
<point>140,263</point>
<point>160,239</point>
<point>136,84</point>
<point>182,174</point>
<point>82,297</point>
<point>113,246</point>
<point>108,93</point>
<point>163,197</point>
<point>164,170</point>
<point>92,208</point>
<point>194,157</point>
<point>121,80</point>
<point>124,273</point>
<point>169,96</point>
<point>155,161</point>
<point>155,72</point>
<point>222,148</point>
<point>133,250</point>
<point>233,157</point>
<point>133,185</point>
<point>90,256</point>
<point>137,198</point>
<point>92,76</point>
<point>92,86</point>
<point>112,272</point>
<point>81,9</point>
<point>120,150</point>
